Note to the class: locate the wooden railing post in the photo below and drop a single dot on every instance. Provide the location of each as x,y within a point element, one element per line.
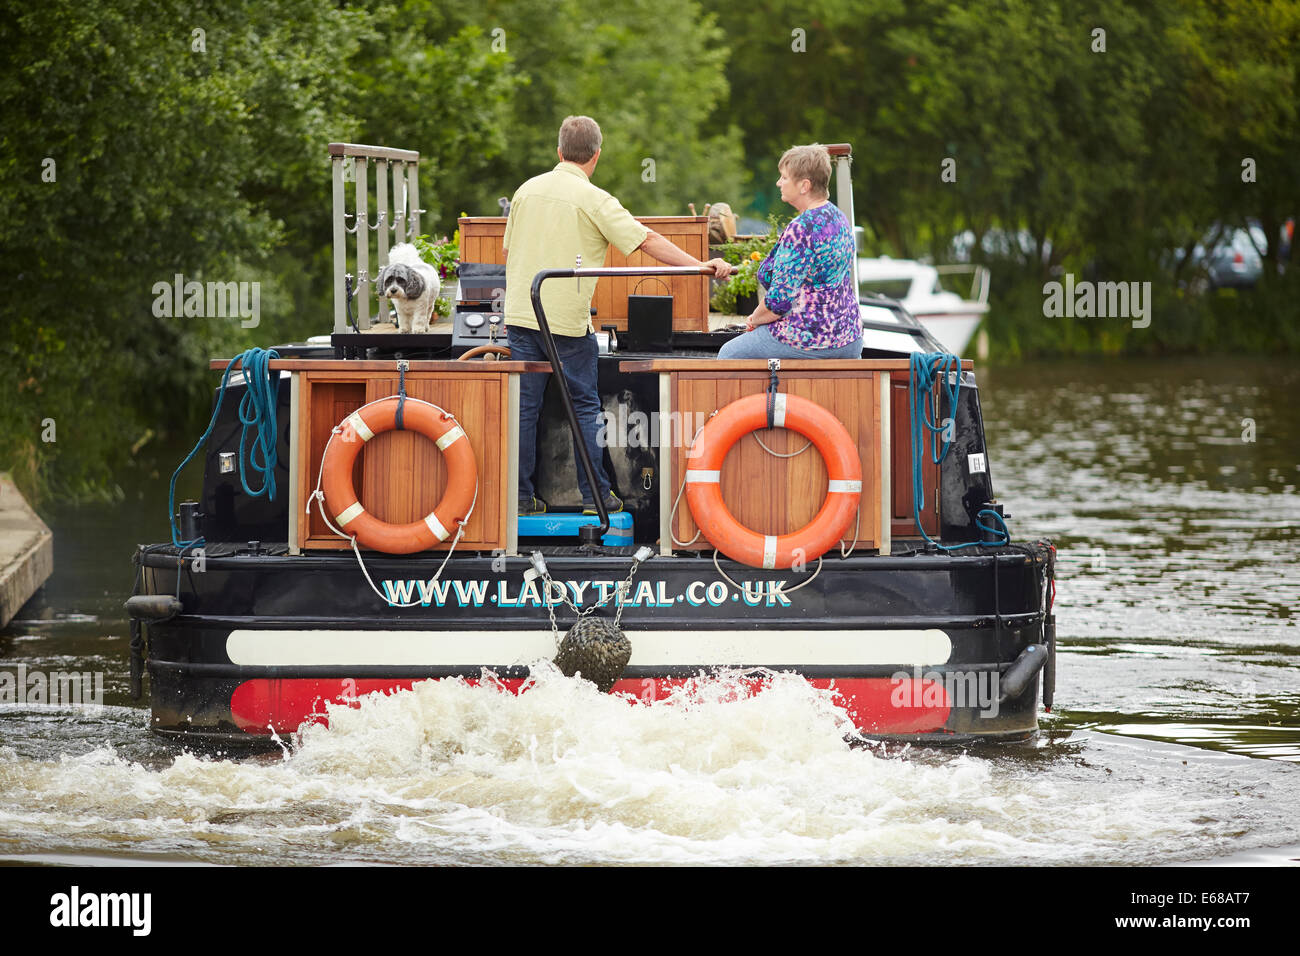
<point>402,219</point>
<point>361,168</point>
<point>340,249</point>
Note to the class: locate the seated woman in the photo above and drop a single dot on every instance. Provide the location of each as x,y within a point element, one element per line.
<point>810,308</point>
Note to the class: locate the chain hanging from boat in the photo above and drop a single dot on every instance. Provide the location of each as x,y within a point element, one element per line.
<point>594,647</point>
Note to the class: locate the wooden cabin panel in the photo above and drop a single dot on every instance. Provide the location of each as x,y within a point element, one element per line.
<point>879,424</point>
<point>390,490</point>
<point>481,236</point>
<point>614,290</point>
<point>327,404</point>
<point>480,239</point>
<point>384,477</point>
<point>807,482</point>
<point>780,495</point>
<point>602,300</point>
<point>695,302</point>
<point>469,249</point>
<point>688,395</point>
<point>854,400</point>
<point>903,523</point>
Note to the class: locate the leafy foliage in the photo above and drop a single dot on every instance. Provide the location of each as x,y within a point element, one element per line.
<point>1066,158</point>
<point>748,255</point>
<point>189,138</point>
<point>158,165</point>
<point>444,255</point>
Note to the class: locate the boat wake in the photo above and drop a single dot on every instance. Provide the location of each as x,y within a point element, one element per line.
<point>453,772</point>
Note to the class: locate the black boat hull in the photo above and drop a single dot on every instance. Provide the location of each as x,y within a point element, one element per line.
<point>922,647</point>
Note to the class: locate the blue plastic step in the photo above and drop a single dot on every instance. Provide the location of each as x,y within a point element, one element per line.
<point>563,524</point>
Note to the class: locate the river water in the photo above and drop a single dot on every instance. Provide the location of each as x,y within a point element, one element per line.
<point>1176,736</point>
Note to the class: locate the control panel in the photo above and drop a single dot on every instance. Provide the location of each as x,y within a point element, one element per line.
<point>470,328</point>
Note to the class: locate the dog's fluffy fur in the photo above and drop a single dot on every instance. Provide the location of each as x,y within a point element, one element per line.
<point>412,285</point>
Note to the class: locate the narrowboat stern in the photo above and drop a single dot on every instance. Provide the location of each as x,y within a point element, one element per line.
<point>359,527</point>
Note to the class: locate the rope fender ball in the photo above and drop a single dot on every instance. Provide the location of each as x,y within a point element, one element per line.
<point>374,419</point>
<point>704,487</point>
<point>597,649</point>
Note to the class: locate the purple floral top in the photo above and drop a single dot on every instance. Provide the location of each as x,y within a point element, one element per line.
<point>808,278</point>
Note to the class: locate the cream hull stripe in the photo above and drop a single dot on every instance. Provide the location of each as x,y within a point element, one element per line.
<point>350,512</point>
<point>360,427</point>
<point>275,648</point>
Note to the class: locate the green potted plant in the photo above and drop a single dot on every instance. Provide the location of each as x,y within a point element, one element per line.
<point>444,255</point>
<point>739,295</point>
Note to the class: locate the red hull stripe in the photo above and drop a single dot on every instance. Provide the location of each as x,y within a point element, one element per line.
<point>879,705</point>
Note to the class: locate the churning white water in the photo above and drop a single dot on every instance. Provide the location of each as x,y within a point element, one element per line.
<point>1177,735</point>
<point>452,773</point>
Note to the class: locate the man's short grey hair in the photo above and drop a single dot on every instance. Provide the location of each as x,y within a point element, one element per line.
<point>579,139</point>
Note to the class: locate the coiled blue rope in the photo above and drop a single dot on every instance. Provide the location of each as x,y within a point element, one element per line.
<point>926,369</point>
<point>256,411</point>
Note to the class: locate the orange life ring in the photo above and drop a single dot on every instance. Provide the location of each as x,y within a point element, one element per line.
<point>704,487</point>
<point>374,419</point>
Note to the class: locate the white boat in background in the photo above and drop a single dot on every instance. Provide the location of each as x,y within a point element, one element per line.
<point>919,287</point>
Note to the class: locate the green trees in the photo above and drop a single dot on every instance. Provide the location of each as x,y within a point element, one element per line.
<point>141,140</point>
<point>150,138</point>
<point>1090,138</point>
<point>651,72</point>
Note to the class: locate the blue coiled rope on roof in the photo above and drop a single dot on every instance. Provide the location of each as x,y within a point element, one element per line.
<point>927,369</point>
<point>256,412</point>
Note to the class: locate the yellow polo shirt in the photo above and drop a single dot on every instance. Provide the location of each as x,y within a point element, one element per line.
<point>554,218</point>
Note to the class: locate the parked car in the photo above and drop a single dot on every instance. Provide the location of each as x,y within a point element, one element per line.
<point>1235,261</point>
<point>1226,258</point>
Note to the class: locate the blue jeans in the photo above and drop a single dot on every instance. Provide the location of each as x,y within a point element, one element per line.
<point>578,358</point>
<point>761,344</point>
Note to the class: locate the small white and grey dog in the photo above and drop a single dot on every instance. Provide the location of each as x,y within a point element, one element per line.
<point>412,284</point>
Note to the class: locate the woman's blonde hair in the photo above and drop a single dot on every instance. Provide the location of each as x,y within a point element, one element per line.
<point>812,163</point>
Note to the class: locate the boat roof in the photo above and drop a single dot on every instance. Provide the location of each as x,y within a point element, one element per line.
<point>887,268</point>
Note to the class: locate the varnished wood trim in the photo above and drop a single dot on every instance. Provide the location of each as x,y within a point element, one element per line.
<point>327,398</point>
<point>296,504</point>
<point>884,416</point>
<point>374,152</point>
<point>301,519</point>
<point>666,478</point>
<point>775,493</point>
<point>348,366</point>
<point>481,242</point>
<point>511,504</point>
<point>713,366</point>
